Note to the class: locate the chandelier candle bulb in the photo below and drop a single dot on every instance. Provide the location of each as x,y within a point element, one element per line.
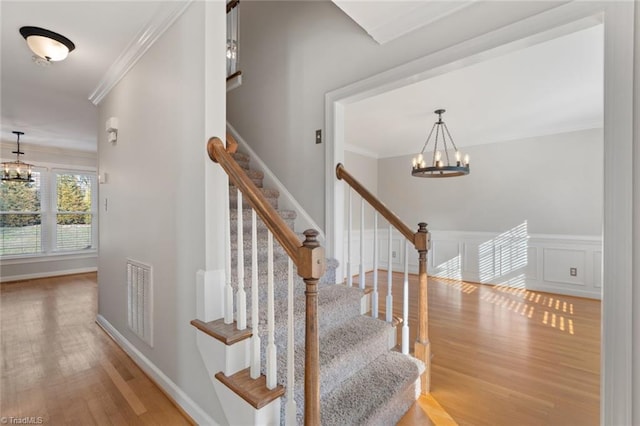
<point>466,160</point>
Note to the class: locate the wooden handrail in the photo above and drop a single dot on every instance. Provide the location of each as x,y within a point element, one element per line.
<point>391,217</point>
<point>232,4</point>
<point>279,228</point>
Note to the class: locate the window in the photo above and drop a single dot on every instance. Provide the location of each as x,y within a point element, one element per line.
<point>21,217</point>
<point>74,212</point>
<point>54,214</point>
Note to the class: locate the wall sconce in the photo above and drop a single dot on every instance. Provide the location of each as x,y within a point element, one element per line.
<point>112,129</point>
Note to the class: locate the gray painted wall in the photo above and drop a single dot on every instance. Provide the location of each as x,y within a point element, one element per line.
<point>294,52</point>
<point>156,196</point>
<point>554,183</point>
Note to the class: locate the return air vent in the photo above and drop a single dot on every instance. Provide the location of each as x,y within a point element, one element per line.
<point>140,299</point>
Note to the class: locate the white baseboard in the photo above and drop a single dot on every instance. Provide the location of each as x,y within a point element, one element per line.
<point>161,379</point>
<point>47,274</point>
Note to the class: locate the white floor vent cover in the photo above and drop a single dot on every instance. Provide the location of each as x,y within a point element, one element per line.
<point>140,299</point>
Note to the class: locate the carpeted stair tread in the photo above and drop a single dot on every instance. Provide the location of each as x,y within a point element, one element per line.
<point>378,394</point>
<point>336,304</point>
<point>267,192</point>
<point>241,156</point>
<point>261,227</point>
<point>343,349</point>
<point>246,214</point>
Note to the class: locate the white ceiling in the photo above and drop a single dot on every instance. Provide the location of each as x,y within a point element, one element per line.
<point>552,87</point>
<point>387,20</point>
<point>51,104</point>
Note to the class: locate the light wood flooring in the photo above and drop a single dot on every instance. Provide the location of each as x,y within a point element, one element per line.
<point>504,356</point>
<point>58,365</point>
<point>500,357</point>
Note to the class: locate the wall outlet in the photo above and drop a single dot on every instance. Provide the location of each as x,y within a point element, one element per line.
<point>573,272</point>
<point>318,136</point>
<point>393,254</point>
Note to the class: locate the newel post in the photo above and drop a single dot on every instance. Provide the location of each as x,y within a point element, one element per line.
<point>311,266</point>
<point>422,345</point>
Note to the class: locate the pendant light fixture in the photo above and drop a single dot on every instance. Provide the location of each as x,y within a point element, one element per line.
<point>17,171</point>
<point>446,161</point>
<point>47,45</point>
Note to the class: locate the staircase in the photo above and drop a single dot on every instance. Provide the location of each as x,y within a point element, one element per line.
<point>363,380</point>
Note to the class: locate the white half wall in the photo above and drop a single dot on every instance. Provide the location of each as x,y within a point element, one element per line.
<point>153,206</point>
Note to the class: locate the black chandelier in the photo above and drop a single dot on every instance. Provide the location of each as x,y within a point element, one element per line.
<point>438,168</point>
<point>17,171</point>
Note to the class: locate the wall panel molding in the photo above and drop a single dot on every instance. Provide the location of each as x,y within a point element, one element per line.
<point>516,259</point>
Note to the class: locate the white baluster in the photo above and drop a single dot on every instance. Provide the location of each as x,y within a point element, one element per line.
<point>362,243</point>
<point>271,343</point>
<point>349,226</point>
<point>241,296</point>
<point>255,337</point>
<point>228,290</point>
<point>390,278</point>
<point>291,402</point>
<point>405,301</point>
<point>374,295</point>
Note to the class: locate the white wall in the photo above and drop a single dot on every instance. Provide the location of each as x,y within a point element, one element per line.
<point>554,183</point>
<point>153,205</point>
<point>56,264</point>
<point>294,52</point>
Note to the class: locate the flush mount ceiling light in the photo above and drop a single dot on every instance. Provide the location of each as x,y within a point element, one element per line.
<point>17,171</point>
<point>46,44</point>
<point>438,168</point>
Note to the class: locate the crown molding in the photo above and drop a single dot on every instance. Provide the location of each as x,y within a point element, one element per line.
<point>164,17</point>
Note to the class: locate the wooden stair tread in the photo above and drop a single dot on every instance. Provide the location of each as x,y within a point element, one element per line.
<point>226,333</point>
<point>254,391</point>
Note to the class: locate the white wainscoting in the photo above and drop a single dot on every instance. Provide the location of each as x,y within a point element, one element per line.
<point>513,258</point>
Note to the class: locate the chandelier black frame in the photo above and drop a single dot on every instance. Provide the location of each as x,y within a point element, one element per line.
<point>438,169</point>
<point>17,171</point>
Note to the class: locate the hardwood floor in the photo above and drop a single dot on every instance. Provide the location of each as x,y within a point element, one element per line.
<point>505,356</point>
<point>58,365</point>
<point>500,357</point>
